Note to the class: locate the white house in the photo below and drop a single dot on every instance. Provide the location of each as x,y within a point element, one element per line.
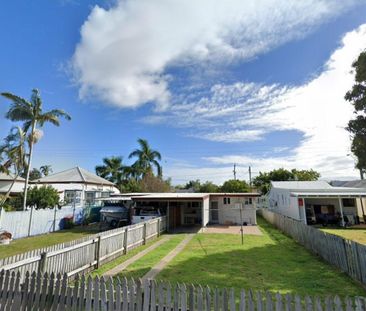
<point>7,180</point>
<point>315,201</point>
<point>184,209</point>
<point>78,186</point>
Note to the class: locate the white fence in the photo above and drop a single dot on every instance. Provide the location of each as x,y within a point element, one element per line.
<point>33,222</point>
<point>347,255</point>
<point>50,292</point>
<point>87,253</point>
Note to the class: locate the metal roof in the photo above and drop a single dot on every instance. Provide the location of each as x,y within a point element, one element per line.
<point>74,175</point>
<point>303,185</point>
<point>355,184</point>
<point>183,195</point>
<point>10,177</point>
<point>331,193</point>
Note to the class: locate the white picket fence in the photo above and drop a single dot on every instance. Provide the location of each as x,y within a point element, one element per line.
<point>50,292</point>
<point>87,253</point>
<point>33,222</point>
<point>347,255</point>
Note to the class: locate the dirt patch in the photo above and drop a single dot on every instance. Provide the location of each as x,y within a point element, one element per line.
<point>253,230</point>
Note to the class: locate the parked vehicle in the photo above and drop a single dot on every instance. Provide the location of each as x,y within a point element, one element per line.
<point>145,213</point>
<point>116,211</point>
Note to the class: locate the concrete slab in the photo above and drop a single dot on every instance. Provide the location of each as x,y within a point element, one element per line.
<point>251,230</point>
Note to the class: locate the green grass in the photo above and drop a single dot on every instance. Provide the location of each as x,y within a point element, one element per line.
<point>355,234</point>
<point>270,262</point>
<point>26,244</point>
<point>140,267</point>
<point>110,265</point>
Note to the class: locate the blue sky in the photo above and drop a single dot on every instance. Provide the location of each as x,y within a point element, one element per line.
<point>208,84</point>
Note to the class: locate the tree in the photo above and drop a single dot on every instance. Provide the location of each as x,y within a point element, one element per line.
<point>209,187</point>
<point>13,157</point>
<point>112,170</point>
<point>234,185</point>
<point>263,180</point>
<point>147,158</point>
<point>34,174</point>
<point>45,170</point>
<point>357,127</point>
<point>194,185</point>
<point>33,117</point>
<point>151,183</point>
<point>43,197</point>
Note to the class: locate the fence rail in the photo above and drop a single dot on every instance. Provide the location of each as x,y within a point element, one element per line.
<point>87,253</point>
<point>347,255</point>
<point>50,292</point>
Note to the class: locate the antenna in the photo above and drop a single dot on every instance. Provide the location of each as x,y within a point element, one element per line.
<point>234,171</point>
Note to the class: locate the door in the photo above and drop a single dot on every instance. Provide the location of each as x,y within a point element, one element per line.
<point>214,212</point>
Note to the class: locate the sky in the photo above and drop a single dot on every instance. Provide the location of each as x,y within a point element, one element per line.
<point>208,83</point>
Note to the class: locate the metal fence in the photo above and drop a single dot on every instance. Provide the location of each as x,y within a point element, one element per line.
<point>347,255</point>
<point>50,292</point>
<point>33,222</point>
<point>87,253</point>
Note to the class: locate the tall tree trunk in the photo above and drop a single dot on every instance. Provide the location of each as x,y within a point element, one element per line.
<point>29,165</point>
<point>7,194</point>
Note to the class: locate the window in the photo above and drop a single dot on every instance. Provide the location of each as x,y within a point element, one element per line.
<point>226,200</point>
<point>248,201</point>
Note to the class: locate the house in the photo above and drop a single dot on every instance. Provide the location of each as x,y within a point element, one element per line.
<point>78,186</point>
<point>200,209</point>
<point>6,182</point>
<point>315,202</point>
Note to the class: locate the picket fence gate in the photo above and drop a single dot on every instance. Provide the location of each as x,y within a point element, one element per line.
<point>85,254</point>
<point>50,292</point>
<point>347,255</point>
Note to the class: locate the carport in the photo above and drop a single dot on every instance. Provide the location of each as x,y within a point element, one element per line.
<point>330,207</point>
<point>183,210</point>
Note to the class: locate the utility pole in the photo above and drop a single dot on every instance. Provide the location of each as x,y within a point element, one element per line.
<point>234,171</point>
<point>250,178</point>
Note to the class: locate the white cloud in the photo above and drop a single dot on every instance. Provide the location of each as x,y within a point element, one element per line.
<point>317,109</point>
<point>125,50</point>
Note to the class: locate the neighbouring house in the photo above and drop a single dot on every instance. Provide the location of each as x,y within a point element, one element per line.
<point>7,180</point>
<point>78,186</point>
<point>316,202</point>
<point>200,209</point>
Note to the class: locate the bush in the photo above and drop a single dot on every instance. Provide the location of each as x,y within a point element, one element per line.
<point>43,197</point>
<point>68,222</point>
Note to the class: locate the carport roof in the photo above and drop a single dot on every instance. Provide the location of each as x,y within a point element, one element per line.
<point>335,192</point>
<point>184,196</point>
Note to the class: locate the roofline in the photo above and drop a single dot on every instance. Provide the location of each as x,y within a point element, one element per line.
<point>71,182</point>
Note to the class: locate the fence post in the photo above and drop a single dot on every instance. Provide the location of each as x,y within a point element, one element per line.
<point>54,219</point>
<point>125,242</point>
<point>144,234</point>
<point>30,221</point>
<point>42,263</point>
<point>158,227</point>
<point>97,250</point>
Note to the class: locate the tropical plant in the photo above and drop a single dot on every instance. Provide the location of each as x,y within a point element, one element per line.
<point>112,169</point>
<point>147,158</point>
<point>151,183</point>
<point>45,170</point>
<point>13,155</point>
<point>31,113</point>
<point>357,126</point>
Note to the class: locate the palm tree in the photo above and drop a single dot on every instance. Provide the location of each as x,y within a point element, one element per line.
<point>45,170</point>
<point>13,154</point>
<point>31,113</point>
<point>146,158</point>
<point>112,169</point>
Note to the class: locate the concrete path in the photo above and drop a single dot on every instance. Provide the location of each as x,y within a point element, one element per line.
<point>162,264</point>
<point>131,260</point>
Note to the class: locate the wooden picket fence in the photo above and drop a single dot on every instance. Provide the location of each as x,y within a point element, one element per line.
<point>85,254</point>
<point>347,255</point>
<point>50,292</point>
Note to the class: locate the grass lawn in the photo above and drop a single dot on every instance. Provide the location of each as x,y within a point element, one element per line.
<point>269,262</point>
<point>355,234</point>
<point>140,267</point>
<point>26,244</point>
